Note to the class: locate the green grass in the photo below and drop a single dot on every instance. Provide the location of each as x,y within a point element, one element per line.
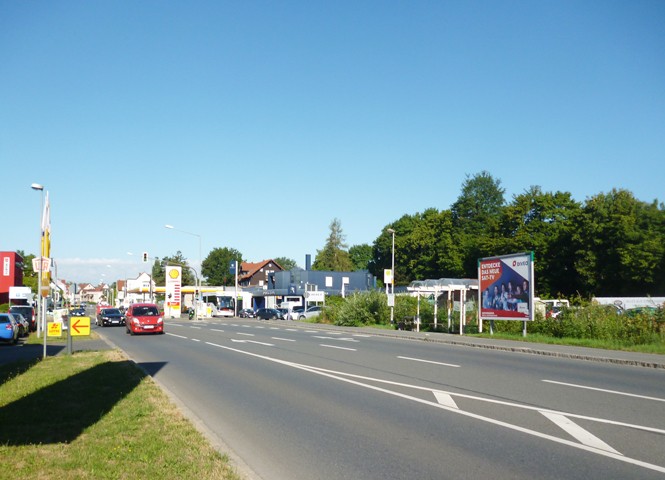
<point>95,415</point>
<point>657,348</point>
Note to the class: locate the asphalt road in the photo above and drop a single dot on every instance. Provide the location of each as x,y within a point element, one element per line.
<point>296,401</point>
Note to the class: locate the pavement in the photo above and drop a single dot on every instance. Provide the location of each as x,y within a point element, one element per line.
<point>11,353</point>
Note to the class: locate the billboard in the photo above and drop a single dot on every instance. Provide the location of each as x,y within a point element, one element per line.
<point>506,285</point>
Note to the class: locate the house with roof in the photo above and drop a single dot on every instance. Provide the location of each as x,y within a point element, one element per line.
<point>259,274</point>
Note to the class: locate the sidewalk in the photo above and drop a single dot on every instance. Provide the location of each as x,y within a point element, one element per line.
<point>563,351</point>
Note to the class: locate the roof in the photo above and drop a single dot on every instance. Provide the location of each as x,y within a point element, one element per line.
<point>250,269</point>
<point>443,284</point>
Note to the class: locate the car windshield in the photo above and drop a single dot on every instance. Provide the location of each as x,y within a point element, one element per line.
<point>145,311</point>
<point>111,311</point>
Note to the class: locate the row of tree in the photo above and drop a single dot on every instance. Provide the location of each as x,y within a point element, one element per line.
<point>609,245</point>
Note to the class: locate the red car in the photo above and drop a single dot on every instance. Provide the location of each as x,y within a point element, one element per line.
<point>144,318</point>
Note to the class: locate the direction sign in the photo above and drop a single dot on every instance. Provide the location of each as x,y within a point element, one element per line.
<point>80,326</point>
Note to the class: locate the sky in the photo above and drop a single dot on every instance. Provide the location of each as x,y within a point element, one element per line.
<point>253,124</point>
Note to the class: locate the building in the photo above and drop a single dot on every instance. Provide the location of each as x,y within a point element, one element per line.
<point>260,274</point>
<point>300,286</point>
<point>11,274</point>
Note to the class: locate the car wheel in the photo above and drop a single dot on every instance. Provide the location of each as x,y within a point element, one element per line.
<point>301,317</point>
<point>274,317</point>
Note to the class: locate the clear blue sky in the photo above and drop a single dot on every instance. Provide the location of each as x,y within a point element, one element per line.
<point>254,124</point>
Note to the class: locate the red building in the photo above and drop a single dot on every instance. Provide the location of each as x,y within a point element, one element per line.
<point>11,273</point>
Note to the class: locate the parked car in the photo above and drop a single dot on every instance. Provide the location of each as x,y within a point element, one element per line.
<point>23,325</point>
<point>309,313</point>
<point>144,318</point>
<point>8,328</point>
<point>246,313</point>
<point>28,313</point>
<point>110,316</point>
<point>268,314</point>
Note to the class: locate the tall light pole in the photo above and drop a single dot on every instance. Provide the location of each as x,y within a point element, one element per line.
<point>198,278</point>
<point>40,188</point>
<point>392,283</point>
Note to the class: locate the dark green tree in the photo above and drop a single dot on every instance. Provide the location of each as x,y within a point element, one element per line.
<point>286,263</point>
<point>542,223</point>
<point>619,247</point>
<point>216,266</point>
<point>29,276</point>
<point>476,216</point>
<point>360,256</point>
<point>334,256</point>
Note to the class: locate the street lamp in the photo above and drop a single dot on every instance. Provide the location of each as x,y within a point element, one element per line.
<point>392,283</point>
<point>198,279</point>
<point>40,301</point>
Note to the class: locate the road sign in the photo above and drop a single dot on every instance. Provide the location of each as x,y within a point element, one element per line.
<point>54,329</point>
<point>80,326</point>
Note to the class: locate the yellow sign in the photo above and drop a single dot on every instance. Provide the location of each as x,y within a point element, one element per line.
<point>80,326</point>
<point>54,329</point>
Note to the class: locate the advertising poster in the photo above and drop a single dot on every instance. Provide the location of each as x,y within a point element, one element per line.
<point>506,285</point>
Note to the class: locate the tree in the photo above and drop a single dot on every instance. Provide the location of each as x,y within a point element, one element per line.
<point>29,276</point>
<point>424,248</point>
<point>178,260</point>
<point>479,204</point>
<point>619,247</point>
<point>475,218</point>
<point>333,256</point>
<point>360,256</point>
<point>286,263</point>
<point>216,266</point>
<point>542,223</point>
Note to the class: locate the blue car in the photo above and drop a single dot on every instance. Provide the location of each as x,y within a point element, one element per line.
<point>8,328</point>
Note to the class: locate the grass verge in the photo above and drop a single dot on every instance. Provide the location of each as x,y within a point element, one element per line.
<point>95,415</point>
<point>657,348</point>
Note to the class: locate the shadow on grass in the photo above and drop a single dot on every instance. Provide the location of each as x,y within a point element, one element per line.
<point>60,412</point>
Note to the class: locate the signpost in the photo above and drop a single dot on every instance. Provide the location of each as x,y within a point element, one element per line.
<point>80,326</point>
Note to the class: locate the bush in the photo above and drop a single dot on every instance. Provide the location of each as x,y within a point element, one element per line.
<point>596,322</point>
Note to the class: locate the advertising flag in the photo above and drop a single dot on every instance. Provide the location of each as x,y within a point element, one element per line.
<point>46,244</point>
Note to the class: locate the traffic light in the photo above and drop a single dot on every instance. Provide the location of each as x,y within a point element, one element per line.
<point>145,257</point>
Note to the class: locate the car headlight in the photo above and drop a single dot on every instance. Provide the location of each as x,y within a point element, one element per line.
<point>160,320</point>
<point>135,320</point>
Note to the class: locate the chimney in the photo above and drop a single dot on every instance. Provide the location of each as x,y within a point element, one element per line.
<point>308,262</point>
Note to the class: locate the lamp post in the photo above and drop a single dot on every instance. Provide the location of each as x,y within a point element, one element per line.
<point>198,279</point>
<point>40,188</point>
<point>392,283</point>
<point>40,301</point>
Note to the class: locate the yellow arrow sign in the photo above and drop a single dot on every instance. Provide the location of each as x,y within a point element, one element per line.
<point>80,326</point>
<point>54,329</point>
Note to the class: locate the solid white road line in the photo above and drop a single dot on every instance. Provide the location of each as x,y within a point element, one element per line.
<point>655,399</point>
<point>283,339</point>
<point>429,361</point>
